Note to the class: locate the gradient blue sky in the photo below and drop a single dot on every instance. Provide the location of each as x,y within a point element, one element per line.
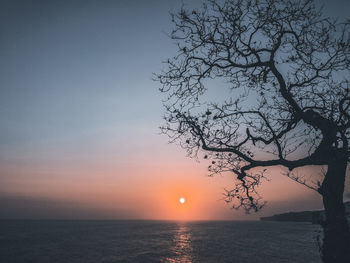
<point>80,113</point>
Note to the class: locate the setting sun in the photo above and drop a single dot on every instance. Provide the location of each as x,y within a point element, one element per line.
<point>182,200</point>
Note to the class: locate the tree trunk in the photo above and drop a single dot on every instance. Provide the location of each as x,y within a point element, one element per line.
<point>336,241</point>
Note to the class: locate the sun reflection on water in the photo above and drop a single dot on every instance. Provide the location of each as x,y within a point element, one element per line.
<point>182,249</point>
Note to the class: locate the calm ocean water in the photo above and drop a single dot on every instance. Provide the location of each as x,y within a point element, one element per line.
<point>157,241</point>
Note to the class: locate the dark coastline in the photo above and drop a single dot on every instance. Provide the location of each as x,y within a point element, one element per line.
<point>315,217</point>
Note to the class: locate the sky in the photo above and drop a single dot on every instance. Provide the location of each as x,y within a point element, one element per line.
<point>79,136</point>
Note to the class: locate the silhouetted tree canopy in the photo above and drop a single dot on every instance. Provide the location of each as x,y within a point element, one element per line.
<point>287,68</point>
<point>287,101</point>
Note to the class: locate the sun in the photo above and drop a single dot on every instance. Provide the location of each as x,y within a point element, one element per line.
<point>182,200</point>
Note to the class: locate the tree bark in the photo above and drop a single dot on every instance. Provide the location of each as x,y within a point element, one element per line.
<point>336,240</point>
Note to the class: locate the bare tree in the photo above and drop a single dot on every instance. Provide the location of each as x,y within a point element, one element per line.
<point>287,103</point>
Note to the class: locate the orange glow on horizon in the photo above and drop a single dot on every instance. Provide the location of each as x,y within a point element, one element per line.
<point>143,190</point>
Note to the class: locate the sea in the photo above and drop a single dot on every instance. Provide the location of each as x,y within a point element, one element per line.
<point>46,241</point>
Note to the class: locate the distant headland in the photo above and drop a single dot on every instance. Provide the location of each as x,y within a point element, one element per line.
<point>315,217</point>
